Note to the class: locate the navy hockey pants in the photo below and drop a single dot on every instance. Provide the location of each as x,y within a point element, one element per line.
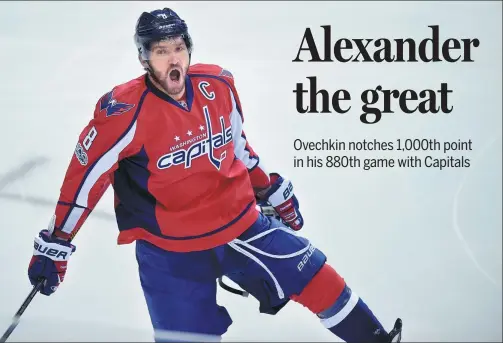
<point>269,261</point>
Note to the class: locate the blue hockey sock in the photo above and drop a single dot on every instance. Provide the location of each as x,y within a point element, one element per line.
<point>350,319</point>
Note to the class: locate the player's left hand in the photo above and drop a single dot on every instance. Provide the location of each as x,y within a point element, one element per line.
<point>280,195</point>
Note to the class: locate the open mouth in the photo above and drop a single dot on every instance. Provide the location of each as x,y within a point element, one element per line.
<point>174,75</point>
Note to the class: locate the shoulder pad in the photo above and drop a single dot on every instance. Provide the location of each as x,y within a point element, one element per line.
<point>120,99</point>
<point>111,106</point>
<point>226,73</point>
<point>211,69</point>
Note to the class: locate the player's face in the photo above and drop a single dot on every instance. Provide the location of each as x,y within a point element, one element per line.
<point>170,63</point>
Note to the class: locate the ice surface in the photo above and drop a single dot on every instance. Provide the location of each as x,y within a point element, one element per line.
<point>421,244</point>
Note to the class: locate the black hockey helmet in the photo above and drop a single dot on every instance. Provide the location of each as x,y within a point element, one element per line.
<point>159,25</point>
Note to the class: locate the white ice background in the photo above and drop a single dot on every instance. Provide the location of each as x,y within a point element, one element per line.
<point>421,244</point>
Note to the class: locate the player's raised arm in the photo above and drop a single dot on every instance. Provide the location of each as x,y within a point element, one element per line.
<point>106,139</point>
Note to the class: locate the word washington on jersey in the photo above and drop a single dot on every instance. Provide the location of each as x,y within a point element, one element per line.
<point>203,147</point>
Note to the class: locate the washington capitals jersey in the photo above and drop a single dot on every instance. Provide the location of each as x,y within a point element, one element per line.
<point>182,172</point>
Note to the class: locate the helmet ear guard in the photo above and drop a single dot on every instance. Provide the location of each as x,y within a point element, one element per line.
<point>144,63</point>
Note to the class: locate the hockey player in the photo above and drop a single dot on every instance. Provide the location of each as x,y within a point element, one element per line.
<point>187,183</point>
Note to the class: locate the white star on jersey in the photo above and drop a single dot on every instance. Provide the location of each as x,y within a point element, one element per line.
<point>189,133</point>
<point>177,138</point>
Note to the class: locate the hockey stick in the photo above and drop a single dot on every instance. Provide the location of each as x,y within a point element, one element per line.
<point>24,306</point>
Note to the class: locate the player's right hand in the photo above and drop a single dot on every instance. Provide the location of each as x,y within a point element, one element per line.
<point>49,261</point>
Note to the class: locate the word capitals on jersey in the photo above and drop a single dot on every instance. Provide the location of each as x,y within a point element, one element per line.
<point>203,147</point>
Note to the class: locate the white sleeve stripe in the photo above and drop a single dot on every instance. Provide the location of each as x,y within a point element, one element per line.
<point>73,219</point>
<point>104,163</point>
<point>257,162</point>
<point>343,313</point>
<point>239,141</point>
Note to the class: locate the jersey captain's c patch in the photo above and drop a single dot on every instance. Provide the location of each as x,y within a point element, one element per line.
<point>112,106</point>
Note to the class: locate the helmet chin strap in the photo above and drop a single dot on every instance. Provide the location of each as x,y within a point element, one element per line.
<point>148,68</point>
<point>150,71</point>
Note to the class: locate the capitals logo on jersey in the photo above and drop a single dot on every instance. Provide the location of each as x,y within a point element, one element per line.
<point>113,107</point>
<point>205,147</point>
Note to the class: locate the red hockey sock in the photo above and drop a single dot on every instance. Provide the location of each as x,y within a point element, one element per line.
<point>323,290</point>
<point>341,311</point>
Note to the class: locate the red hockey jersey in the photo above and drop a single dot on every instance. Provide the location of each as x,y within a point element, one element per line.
<point>183,173</point>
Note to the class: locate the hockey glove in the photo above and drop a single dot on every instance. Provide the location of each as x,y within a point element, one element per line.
<point>49,261</point>
<point>280,195</point>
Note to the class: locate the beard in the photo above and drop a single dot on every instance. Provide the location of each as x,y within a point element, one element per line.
<point>173,81</point>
